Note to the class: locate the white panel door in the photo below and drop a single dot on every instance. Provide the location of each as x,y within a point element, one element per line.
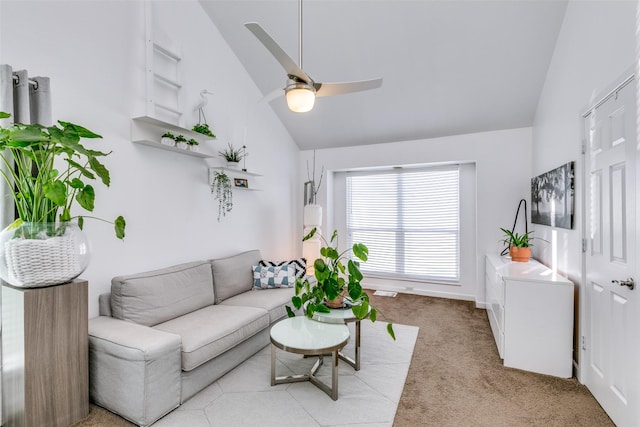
<point>612,343</point>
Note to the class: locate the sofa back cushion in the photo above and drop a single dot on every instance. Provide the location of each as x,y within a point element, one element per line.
<point>233,275</point>
<point>161,295</point>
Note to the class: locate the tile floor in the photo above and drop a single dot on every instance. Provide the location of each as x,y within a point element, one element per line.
<point>244,396</point>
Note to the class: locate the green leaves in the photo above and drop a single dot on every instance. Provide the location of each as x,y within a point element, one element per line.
<point>48,195</point>
<point>390,331</point>
<point>119,226</point>
<point>56,191</point>
<point>361,251</point>
<point>290,312</point>
<point>4,115</point>
<point>335,275</point>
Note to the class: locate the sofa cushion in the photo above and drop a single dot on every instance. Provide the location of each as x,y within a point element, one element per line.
<point>157,296</point>
<point>212,330</point>
<point>233,275</point>
<point>273,301</point>
<point>273,277</point>
<point>299,264</point>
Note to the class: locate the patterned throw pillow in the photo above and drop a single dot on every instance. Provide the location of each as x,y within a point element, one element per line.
<point>299,264</point>
<point>273,277</point>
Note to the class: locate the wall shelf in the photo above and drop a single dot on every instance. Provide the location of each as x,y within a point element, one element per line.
<point>234,174</point>
<point>147,131</point>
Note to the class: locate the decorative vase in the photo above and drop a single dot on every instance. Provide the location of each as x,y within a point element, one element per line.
<point>42,254</point>
<point>520,254</point>
<point>335,303</point>
<point>167,141</point>
<point>233,165</point>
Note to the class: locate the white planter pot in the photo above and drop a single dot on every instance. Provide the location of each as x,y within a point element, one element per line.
<point>233,165</point>
<point>312,216</point>
<point>42,259</point>
<point>167,141</point>
<point>193,148</point>
<point>182,145</point>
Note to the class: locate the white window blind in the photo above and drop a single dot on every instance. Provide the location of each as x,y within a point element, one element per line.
<point>410,221</point>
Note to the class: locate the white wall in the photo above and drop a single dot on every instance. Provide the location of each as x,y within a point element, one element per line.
<point>595,46</point>
<point>94,54</point>
<point>502,161</point>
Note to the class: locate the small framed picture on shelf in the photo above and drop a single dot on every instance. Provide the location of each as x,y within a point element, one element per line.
<point>240,183</point>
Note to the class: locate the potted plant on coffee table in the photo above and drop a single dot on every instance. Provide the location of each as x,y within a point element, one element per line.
<point>48,170</point>
<point>335,282</point>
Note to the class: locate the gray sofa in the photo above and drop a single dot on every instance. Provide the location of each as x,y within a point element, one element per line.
<point>164,335</point>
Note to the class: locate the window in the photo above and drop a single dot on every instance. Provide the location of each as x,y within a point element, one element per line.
<point>410,221</point>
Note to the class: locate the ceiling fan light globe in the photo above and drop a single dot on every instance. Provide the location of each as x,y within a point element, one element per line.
<point>300,97</point>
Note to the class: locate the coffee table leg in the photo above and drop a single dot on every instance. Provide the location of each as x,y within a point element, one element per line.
<point>357,367</point>
<point>355,362</point>
<point>273,365</point>
<point>334,375</point>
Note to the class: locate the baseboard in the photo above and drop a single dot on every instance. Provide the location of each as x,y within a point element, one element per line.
<point>427,293</point>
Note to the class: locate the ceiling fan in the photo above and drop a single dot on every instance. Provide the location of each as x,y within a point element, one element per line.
<point>301,90</point>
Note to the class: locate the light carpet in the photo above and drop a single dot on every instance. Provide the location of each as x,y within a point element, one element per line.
<point>370,396</point>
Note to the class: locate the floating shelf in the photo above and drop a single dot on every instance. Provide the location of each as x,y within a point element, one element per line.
<point>166,126</point>
<point>170,148</point>
<point>147,131</point>
<point>236,174</point>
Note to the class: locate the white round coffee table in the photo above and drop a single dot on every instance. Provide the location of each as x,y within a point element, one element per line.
<point>301,335</point>
<point>343,316</point>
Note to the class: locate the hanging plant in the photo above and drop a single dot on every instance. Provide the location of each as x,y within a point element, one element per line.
<point>223,192</point>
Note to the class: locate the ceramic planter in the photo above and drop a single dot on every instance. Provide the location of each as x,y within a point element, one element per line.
<point>520,254</point>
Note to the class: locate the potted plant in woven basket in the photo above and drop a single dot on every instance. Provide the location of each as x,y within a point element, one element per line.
<point>48,170</point>
<point>335,283</point>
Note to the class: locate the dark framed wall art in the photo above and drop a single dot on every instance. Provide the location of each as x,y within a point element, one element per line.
<point>552,197</point>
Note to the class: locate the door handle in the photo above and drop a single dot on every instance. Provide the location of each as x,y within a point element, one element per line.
<point>629,283</point>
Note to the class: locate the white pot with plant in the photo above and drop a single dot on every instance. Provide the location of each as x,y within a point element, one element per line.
<point>232,156</point>
<point>192,145</point>
<point>168,138</point>
<point>203,129</point>
<point>181,142</point>
<point>49,170</point>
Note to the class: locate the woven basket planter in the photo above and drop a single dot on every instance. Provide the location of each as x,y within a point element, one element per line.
<point>45,260</point>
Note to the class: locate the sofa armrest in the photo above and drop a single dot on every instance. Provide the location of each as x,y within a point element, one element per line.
<point>134,370</point>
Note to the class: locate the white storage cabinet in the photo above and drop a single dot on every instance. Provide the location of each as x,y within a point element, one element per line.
<point>530,309</point>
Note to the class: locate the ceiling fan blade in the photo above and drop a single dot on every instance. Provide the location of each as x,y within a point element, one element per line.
<point>281,56</point>
<point>331,89</point>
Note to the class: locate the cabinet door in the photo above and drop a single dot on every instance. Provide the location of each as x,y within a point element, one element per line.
<point>539,327</point>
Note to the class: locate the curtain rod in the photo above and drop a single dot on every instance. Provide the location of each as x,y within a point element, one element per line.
<point>31,82</point>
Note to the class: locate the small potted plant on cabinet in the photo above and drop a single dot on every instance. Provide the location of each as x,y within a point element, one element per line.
<point>519,244</point>
<point>168,139</point>
<point>221,187</point>
<point>232,155</point>
<point>335,283</point>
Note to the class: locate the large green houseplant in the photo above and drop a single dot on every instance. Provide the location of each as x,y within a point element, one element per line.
<point>333,280</point>
<point>49,171</point>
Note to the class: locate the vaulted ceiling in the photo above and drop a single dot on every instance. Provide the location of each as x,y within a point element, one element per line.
<point>449,67</point>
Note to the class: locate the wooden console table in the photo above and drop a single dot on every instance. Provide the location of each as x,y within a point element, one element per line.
<point>45,368</point>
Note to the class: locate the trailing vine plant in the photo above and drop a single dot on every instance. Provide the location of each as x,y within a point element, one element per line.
<point>224,195</point>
